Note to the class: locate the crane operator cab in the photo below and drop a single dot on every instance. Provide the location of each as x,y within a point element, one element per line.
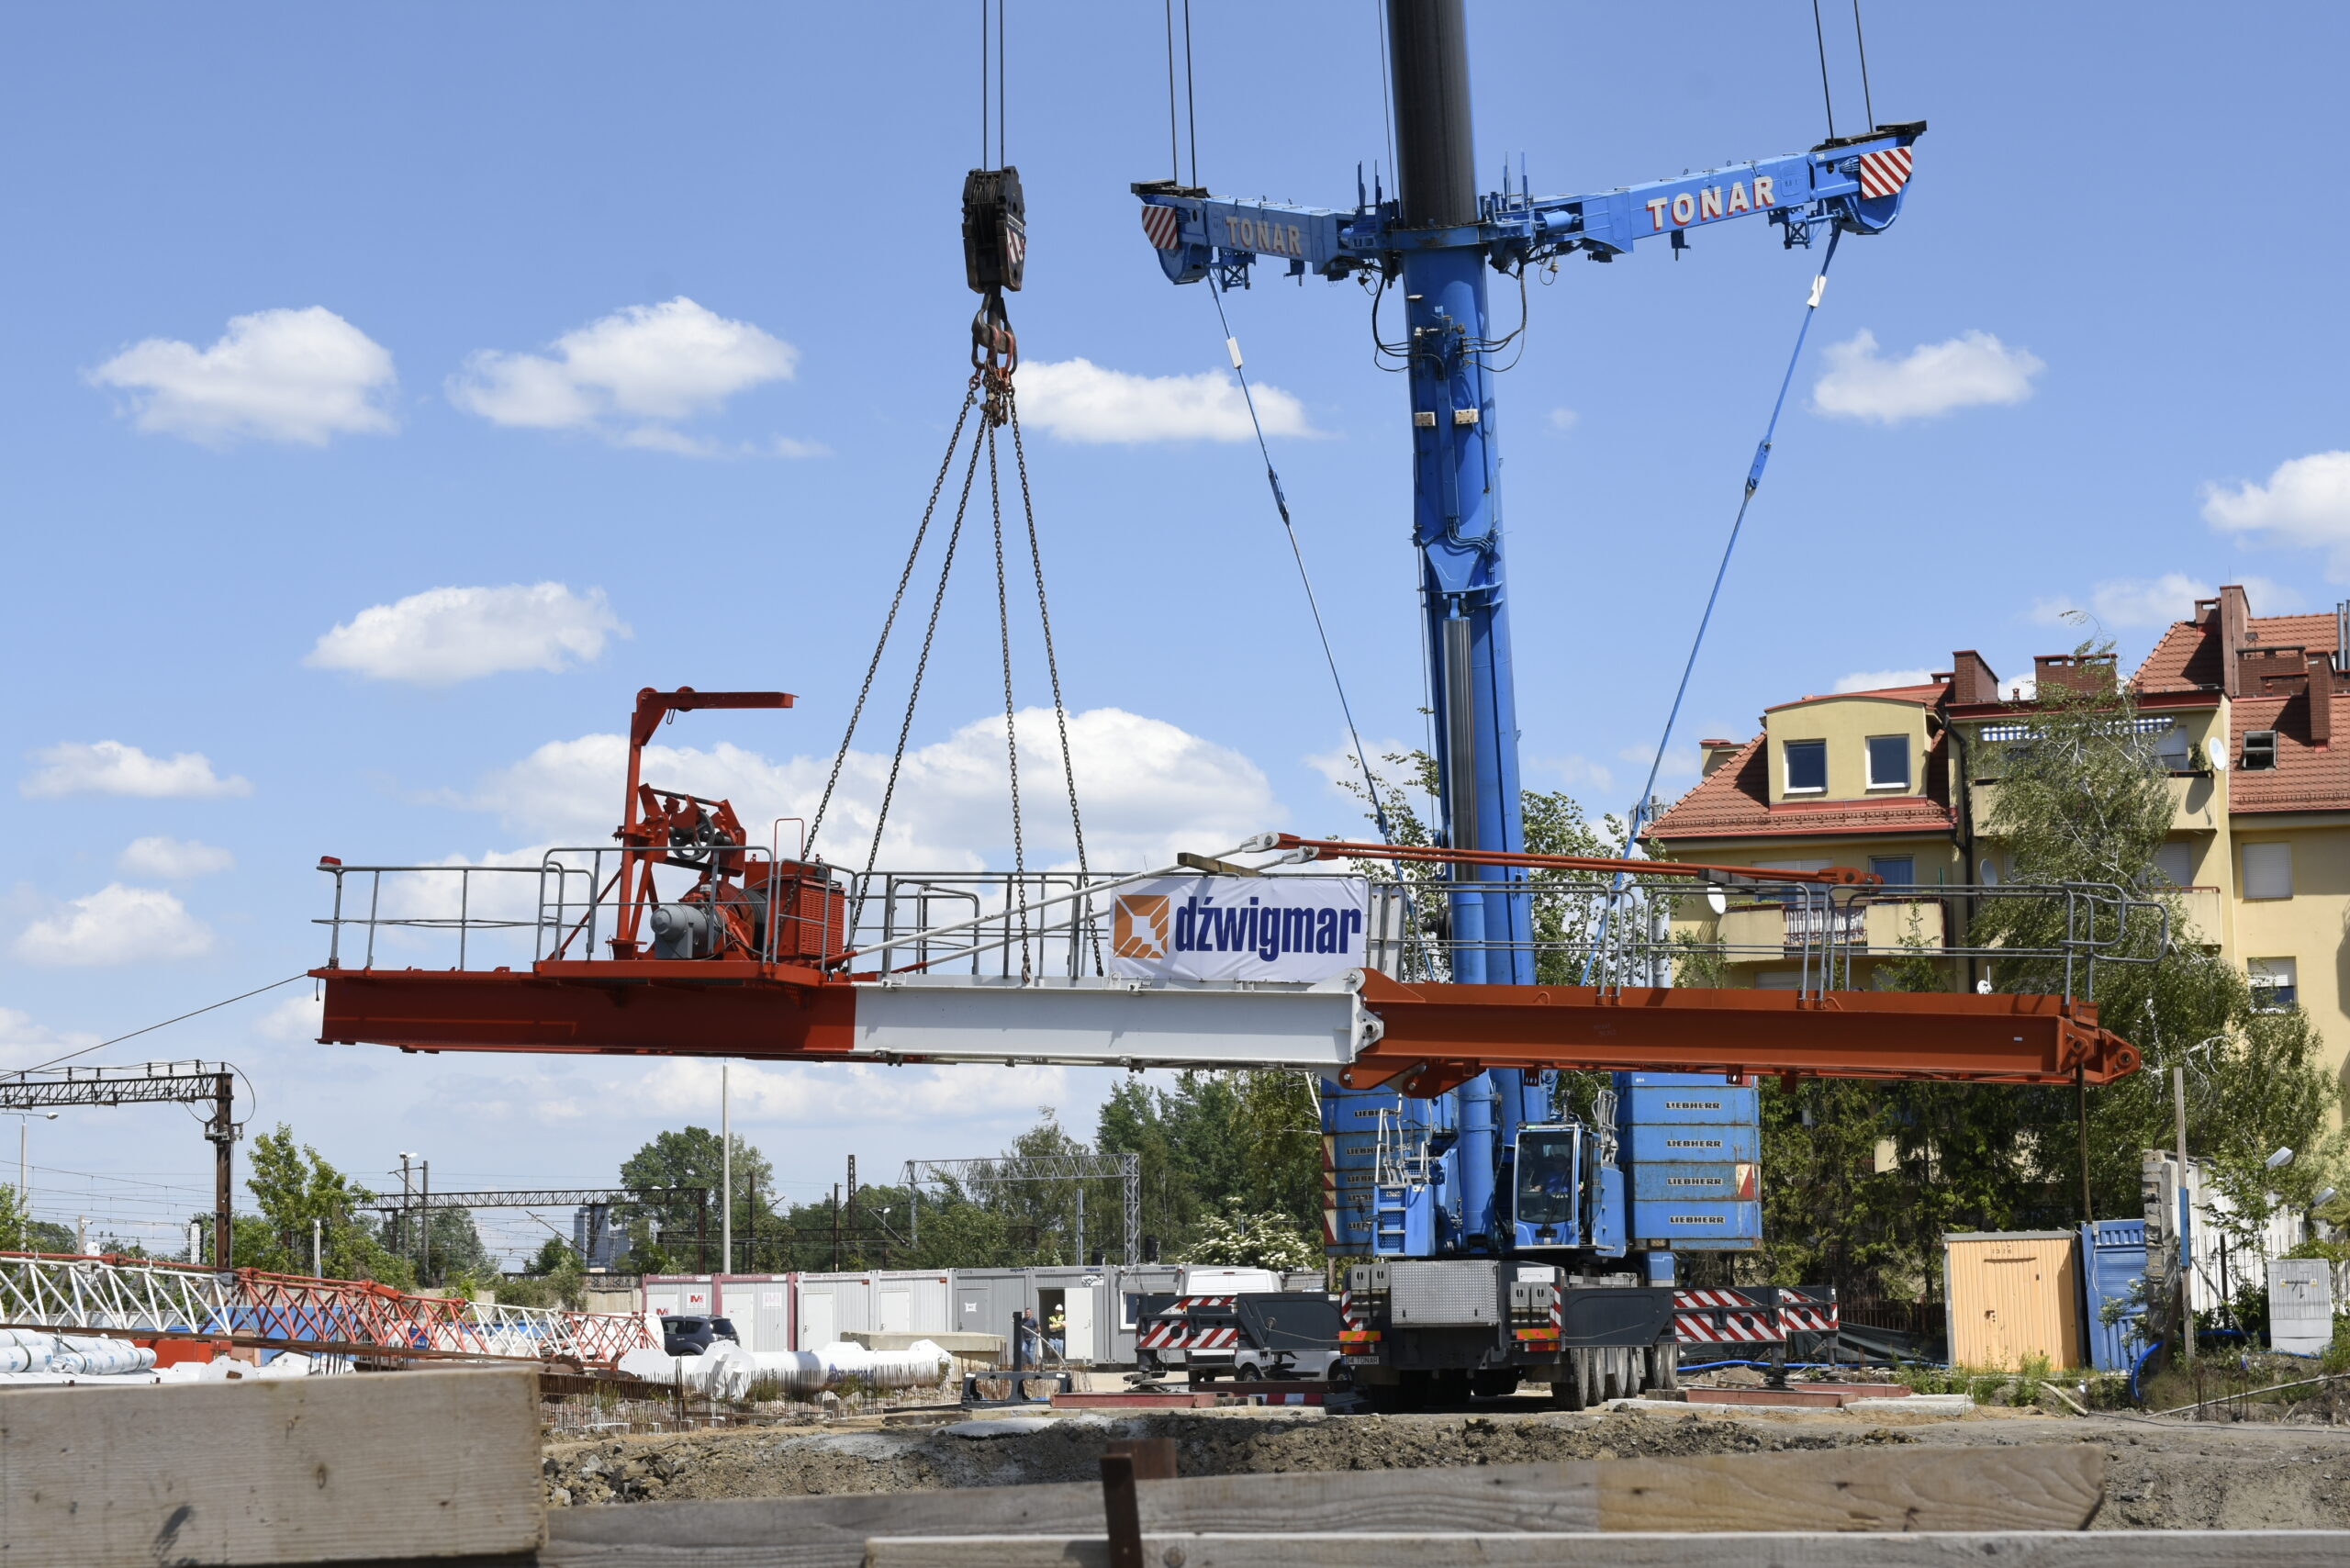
<point>1553,1203</point>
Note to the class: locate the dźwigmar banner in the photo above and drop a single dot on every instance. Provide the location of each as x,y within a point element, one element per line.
<point>1223,928</point>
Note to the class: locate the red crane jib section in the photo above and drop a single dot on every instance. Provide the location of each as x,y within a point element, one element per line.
<point>1435,1036</point>
<point>800,1004</point>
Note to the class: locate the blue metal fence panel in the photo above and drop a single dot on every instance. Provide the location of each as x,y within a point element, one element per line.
<point>2113,1258</point>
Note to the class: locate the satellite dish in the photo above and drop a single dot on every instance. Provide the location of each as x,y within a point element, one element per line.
<point>2216,749</point>
<point>1717,901</point>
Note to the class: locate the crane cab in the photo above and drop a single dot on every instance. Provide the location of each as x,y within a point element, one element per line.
<point>1566,1193</point>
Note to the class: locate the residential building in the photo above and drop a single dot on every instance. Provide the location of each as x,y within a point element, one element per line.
<point>2242,709</point>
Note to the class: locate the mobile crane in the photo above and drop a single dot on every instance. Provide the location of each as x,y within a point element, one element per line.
<point>1510,1242</point>
<point>1501,1243</point>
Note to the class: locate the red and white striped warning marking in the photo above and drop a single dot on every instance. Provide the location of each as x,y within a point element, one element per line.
<point>1730,1329</point>
<point>1161,224</point>
<point>1684,1301</point>
<point>1883,174</point>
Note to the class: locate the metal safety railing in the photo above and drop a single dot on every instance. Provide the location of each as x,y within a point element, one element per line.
<point>1537,927</point>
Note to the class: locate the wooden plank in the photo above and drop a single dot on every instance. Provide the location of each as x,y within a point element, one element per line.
<point>2050,1487</point>
<point>2042,1488</point>
<point>2086,1548</point>
<point>403,1465</point>
<point>822,1532</point>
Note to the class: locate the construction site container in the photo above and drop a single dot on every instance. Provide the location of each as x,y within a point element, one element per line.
<point>760,1306</point>
<point>985,1301</point>
<point>829,1305</point>
<point>1086,1301</point>
<point>2113,1254</point>
<point>2012,1295</point>
<point>911,1301</point>
<point>671,1296</point>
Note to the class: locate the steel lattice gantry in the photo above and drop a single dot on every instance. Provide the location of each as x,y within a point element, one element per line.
<point>151,1083</point>
<point>597,1198</point>
<point>1076,1169</point>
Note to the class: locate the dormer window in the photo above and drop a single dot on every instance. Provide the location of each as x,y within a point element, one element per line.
<point>1889,762</point>
<point>1806,767</point>
<point>2259,750</point>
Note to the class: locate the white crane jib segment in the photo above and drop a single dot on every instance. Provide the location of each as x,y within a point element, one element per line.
<point>1107,1021</point>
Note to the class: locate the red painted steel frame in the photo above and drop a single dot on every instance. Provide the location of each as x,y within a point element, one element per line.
<point>1440,1036</point>
<point>1435,1034</point>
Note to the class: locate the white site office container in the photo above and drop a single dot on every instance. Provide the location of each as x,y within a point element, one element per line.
<point>673,1295</point>
<point>760,1306</point>
<point>911,1301</point>
<point>1087,1302</point>
<point>830,1305</point>
<point>985,1301</point>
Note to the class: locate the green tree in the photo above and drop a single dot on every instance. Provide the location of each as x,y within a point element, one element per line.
<point>293,1187</point>
<point>1253,1241</point>
<point>671,1233</point>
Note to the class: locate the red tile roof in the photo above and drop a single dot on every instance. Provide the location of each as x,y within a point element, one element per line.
<point>1923,695</point>
<point>2187,658</point>
<point>1734,802</point>
<point>2305,778</point>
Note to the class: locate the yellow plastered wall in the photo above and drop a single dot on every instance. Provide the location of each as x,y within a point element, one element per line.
<point>2309,927</point>
<point>1845,724</point>
<point>2012,1295</point>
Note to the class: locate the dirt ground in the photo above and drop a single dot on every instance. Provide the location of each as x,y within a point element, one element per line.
<point>2165,1474</point>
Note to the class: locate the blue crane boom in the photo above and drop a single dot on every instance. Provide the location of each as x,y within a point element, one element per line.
<point>1439,239</point>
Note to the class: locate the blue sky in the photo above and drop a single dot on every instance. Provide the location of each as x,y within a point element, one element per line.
<point>322,311</point>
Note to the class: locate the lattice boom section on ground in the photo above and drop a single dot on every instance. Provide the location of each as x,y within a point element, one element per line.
<point>115,1293</point>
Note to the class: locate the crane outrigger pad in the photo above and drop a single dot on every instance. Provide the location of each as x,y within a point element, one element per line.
<point>1365,1030</point>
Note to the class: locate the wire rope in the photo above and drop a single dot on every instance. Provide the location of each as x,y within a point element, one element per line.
<point>1819,36</point>
<point>945,464</point>
<point>1297,552</point>
<point>1639,817</point>
<point>102,1045</point>
<point>1011,723</point>
<point>1868,103</point>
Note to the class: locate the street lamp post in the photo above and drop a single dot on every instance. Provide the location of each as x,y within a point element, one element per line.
<point>24,1171</point>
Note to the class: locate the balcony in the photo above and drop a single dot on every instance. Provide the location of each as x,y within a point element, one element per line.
<point>2195,803</point>
<point>1769,933</point>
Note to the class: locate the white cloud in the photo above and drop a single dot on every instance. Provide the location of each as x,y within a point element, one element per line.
<point>110,768</point>
<point>23,1042</point>
<point>1078,400</point>
<point>295,375</point>
<point>116,925</point>
<point>631,376</point>
<point>1680,762</point>
<point>1964,372</point>
<point>294,1020</point>
<point>834,1094</point>
<point>1582,773</point>
<point>173,859</point>
<point>2306,502</point>
<point>1877,679</point>
<point>1148,788</point>
<point>448,634</point>
<point>2155,602</point>
<point>1564,420</point>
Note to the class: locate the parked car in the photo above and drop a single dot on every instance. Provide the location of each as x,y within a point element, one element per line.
<point>692,1335</point>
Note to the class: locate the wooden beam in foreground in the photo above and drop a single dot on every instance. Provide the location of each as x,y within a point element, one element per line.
<point>2082,1549</point>
<point>314,1470</point>
<point>2049,1487</point>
